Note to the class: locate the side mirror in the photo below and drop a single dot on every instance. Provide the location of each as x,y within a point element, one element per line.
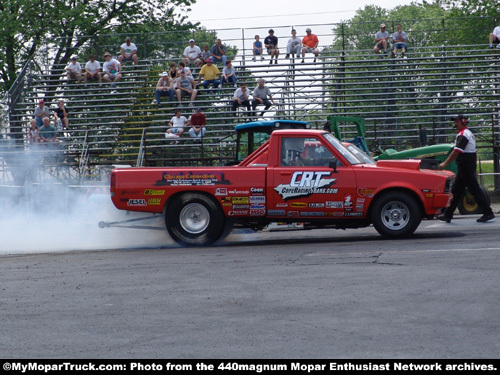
<point>333,165</point>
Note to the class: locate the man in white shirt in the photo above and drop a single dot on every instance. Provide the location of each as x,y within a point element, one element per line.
<point>240,97</point>
<point>495,36</point>
<point>177,124</point>
<point>192,55</point>
<point>92,70</point>
<point>74,70</point>
<point>128,52</point>
<point>294,45</point>
<point>112,69</point>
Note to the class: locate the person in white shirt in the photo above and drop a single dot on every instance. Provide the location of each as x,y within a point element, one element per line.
<point>92,71</point>
<point>74,70</point>
<point>177,124</point>
<point>128,52</point>
<point>495,36</point>
<point>112,69</point>
<point>192,55</point>
<point>294,45</point>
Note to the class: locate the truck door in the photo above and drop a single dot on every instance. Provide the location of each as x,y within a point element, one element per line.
<point>305,185</point>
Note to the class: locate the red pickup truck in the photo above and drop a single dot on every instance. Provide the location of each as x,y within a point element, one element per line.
<point>303,176</point>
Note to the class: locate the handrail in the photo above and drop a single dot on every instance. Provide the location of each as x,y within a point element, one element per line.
<point>142,149</point>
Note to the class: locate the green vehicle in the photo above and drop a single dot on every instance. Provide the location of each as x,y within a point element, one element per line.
<point>431,157</point>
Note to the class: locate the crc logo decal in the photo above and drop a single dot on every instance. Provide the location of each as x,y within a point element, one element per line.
<point>306,183</point>
<point>154,192</point>
<point>137,202</point>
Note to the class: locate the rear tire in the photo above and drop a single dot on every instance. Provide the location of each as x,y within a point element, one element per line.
<point>396,214</point>
<point>194,219</point>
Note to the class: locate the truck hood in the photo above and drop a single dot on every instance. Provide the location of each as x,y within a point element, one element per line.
<point>400,164</point>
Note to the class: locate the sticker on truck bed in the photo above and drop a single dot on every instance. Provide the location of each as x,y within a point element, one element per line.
<point>192,179</point>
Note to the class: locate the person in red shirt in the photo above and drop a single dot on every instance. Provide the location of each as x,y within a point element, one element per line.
<point>310,44</point>
<point>198,122</point>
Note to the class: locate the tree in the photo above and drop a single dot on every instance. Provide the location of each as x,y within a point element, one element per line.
<point>70,24</point>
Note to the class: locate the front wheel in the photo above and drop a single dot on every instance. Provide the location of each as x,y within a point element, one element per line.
<point>194,220</point>
<point>396,214</point>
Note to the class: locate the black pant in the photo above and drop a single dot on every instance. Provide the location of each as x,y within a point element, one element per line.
<point>246,103</point>
<point>255,103</point>
<point>466,178</point>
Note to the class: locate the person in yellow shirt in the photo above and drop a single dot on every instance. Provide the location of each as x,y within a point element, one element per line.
<point>209,72</point>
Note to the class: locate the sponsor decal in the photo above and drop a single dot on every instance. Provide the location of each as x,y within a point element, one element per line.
<point>226,199</point>
<point>257,191</point>
<point>305,184</point>
<point>276,212</point>
<point>154,192</point>
<point>227,204</point>
<point>240,200</point>
<point>360,200</point>
<point>365,192</point>
<point>293,213</point>
<point>241,192</point>
<point>359,207</point>
<point>337,213</point>
<point>281,204</point>
<point>298,204</point>
<point>154,201</point>
<point>221,191</point>
<point>136,202</point>
<point>348,200</point>
<point>257,212</point>
<point>192,179</point>
<point>312,214</point>
<point>238,213</point>
<point>316,205</point>
<point>259,199</point>
<point>241,206</point>
<point>353,214</point>
<point>129,192</point>
<point>334,204</point>
<point>258,206</point>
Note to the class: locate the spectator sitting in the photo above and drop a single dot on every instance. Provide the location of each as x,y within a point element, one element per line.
<point>399,39</point>
<point>260,94</point>
<point>271,43</point>
<point>128,52</point>
<point>33,132</point>
<point>310,44</point>
<point>61,116</point>
<point>186,86</point>
<point>205,54</point>
<point>240,97</point>
<point>92,71</point>
<point>182,67</point>
<point>209,72</point>
<point>48,132</point>
<point>177,124</point>
<point>218,52</point>
<point>192,55</point>
<point>198,122</point>
<point>495,36</point>
<point>74,71</point>
<point>174,72</point>
<point>228,74</point>
<point>294,45</point>
<point>112,70</point>
<point>257,48</point>
<point>164,87</point>
<point>40,113</point>
<point>381,38</point>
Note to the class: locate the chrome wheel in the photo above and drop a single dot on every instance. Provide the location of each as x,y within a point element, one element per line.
<point>194,218</point>
<point>395,215</point>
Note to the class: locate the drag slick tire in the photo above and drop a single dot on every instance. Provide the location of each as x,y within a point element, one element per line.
<point>396,214</point>
<point>194,219</point>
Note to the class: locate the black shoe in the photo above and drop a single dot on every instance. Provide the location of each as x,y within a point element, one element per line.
<point>486,217</point>
<point>287,56</point>
<point>443,217</point>
<point>393,55</point>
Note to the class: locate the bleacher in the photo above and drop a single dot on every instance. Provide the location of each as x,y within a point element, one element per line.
<point>397,97</point>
